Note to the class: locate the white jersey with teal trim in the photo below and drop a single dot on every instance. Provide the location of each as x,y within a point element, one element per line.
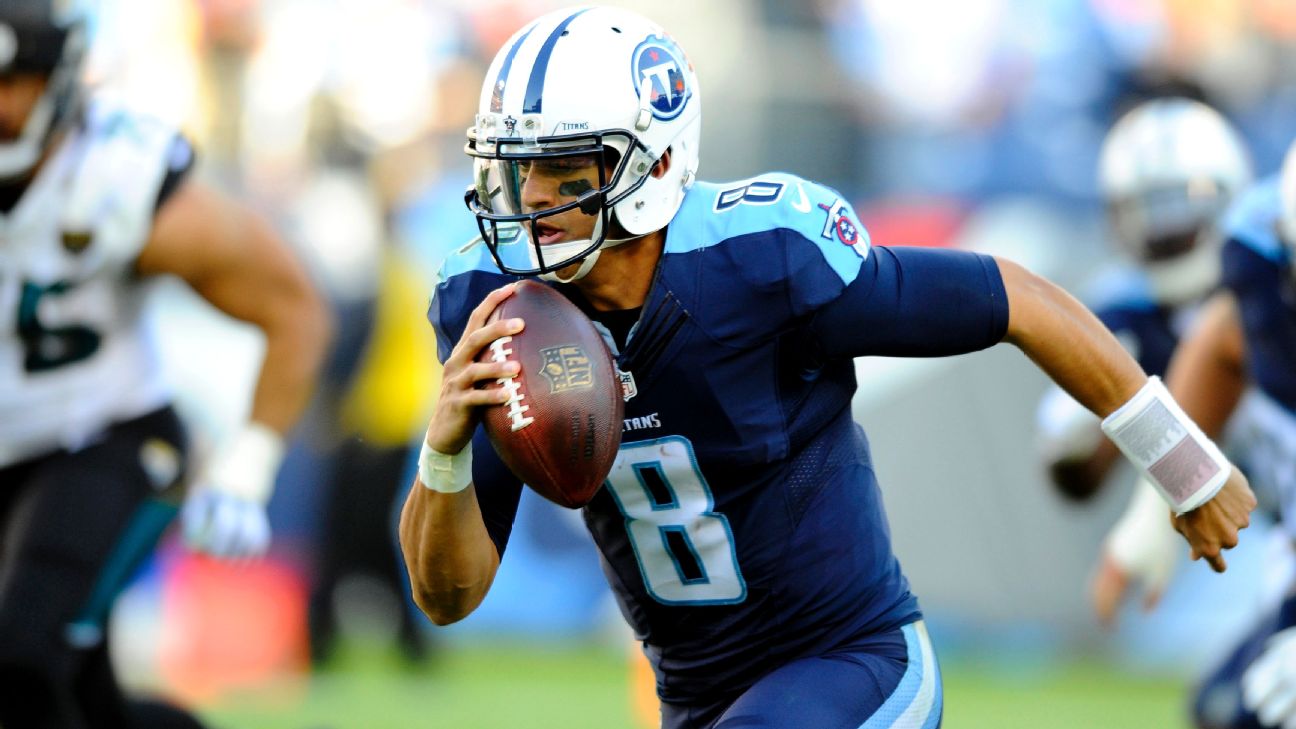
<point>75,349</point>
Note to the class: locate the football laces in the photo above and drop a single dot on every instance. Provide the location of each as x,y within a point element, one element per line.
<point>518,419</point>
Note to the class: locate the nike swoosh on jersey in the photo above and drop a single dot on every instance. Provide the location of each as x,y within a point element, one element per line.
<point>803,204</point>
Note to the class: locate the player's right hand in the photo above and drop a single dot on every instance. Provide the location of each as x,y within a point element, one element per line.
<point>1140,550</point>
<point>224,525</point>
<point>1269,684</point>
<point>1213,527</point>
<point>458,407</point>
<point>224,514</point>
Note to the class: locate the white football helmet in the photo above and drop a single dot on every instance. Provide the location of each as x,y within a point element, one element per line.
<point>1168,169</point>
<point>585,83</point>
<point>1287,194</point>
<point>46,37</point>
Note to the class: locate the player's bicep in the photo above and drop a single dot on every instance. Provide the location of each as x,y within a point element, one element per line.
<point>916,302</point>
<point>227,253</point>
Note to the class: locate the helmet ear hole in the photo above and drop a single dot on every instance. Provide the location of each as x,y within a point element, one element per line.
<point>662,165</point>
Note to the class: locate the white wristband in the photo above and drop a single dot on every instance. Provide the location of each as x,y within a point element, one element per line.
<point>1168,448</point>
<point>246,465</point>
<point>447,474</point>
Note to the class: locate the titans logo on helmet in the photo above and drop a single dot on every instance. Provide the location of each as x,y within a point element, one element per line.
<point>660,63</point>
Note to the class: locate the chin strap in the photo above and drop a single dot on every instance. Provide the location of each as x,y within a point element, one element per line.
<point>586,264</point>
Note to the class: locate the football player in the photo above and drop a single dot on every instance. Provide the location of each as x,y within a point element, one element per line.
<point>1167,171</point>
<point>741,527</point>
<point>1242,352</point>
<point>96,202</point>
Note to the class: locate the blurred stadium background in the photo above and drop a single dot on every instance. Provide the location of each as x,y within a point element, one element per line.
<point>970,123</point>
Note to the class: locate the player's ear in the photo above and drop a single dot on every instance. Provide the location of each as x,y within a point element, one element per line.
<point>662,165</point>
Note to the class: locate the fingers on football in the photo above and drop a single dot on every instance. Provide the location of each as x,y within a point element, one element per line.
<point>483,310</point>
<point>477,340</point>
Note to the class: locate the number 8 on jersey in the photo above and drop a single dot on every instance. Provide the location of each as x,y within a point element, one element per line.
<point>685,550</point>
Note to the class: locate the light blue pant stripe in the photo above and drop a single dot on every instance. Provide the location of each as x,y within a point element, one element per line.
<point>916,701</point>
<point>938,702</point>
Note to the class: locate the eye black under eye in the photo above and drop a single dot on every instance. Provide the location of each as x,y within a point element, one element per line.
<point>574,188</point>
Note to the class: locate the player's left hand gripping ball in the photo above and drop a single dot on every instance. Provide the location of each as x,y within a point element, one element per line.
<point>560,429</point>
<point>225,514</point>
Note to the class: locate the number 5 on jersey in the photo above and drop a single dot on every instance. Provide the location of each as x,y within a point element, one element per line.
<point>685,550</point>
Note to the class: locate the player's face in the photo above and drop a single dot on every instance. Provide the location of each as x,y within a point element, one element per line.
<point>548,183</point>
<point>19,93</point>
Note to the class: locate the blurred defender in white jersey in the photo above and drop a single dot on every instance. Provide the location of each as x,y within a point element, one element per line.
<point>94,202</point>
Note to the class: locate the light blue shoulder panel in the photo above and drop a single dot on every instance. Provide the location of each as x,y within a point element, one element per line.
<point>713,213</point>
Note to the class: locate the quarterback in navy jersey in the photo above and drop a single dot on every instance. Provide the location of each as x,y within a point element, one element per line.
<point>741,527</point>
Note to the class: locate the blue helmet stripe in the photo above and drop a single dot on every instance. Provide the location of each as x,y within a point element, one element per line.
<point>535,87</point>
<point>497,96</point>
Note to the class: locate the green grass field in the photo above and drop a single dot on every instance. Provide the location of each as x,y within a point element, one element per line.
<point>586,687</point>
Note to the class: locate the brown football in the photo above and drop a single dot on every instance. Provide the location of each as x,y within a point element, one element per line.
<point>560,430</point>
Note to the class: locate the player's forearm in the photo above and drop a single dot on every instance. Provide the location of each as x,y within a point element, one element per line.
<point>448,552</point>
<point>297,338</point>
<point>1068,342</point>
<point>1208,373</point>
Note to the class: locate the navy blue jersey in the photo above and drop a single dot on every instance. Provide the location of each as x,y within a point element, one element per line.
<point>1258,270</point>
<point>741,526</point>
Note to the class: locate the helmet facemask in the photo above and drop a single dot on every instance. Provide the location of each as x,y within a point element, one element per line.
<point>1171,232</point>
<point>583,174</point>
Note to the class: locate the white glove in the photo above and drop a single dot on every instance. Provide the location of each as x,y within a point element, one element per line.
<point>1269,684</point>
<point>225,514</point>
<point>1144,542</point>
<point>1142,549</point>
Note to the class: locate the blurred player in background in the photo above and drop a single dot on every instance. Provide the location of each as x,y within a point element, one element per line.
<point>1168,169</point>
<point>97,201</point>
<point>742,527</point>
<point>1241,354</point>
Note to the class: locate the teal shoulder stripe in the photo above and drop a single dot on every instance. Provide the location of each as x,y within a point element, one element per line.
<point>713,213</point>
